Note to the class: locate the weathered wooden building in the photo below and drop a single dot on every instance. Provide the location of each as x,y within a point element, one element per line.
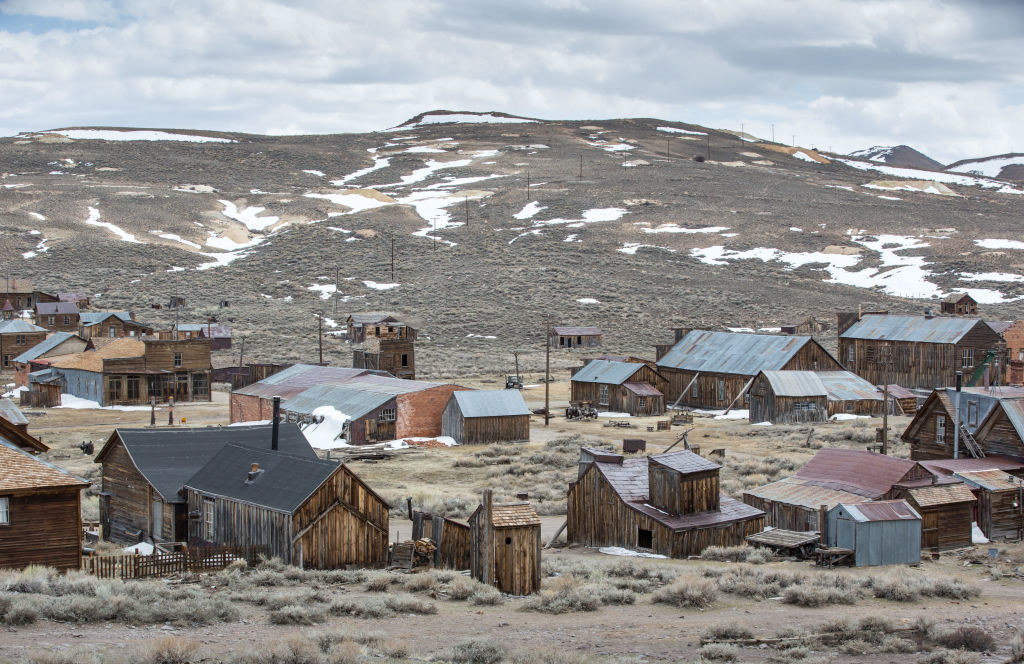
<point>81,299</point>
<point>946,508</point>
<point>930,433</point>
<point>132,371</point>
<point>622,387</point>
<point>715,369</point>
<point>16,337</point>
<point>306,511</point>
<point>809,325</point>
<point>666,503</point>
<point>567,337</point>
<point>40,512</point>
<point>959,304</point>
<point>111,324</point>
<point>1012,333</point>
<point>144,470</point>
<point>394,356</point>
<point>57,316</point>
<point>218,334</point>
<point>904,398</point>
<point>999,512</point>
<point>14,429</point>
<point>377,325</point>
<point>20,293</point>
<point>921,351</point>
<point>885,532</point>
<point>1002,430</point>
<point>505,546</point>
<point>811,396</point>
<point>58,343</point>
<point>832,477</point>
<point>474,417</point>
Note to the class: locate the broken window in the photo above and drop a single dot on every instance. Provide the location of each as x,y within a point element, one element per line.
<point>721,390</point>
<point>602,395</point>
<point>644,539</point>
<point>940,429</point>
<point>405,359</point>
<point>387,415</point>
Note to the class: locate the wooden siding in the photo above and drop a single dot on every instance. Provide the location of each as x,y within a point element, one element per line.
<point>126,509</point>
<point>239,524</point>
<point>397,357</point>
<point>10,348</point>
<point>515,559</point>
<point>677,493</point>
<point>766,406</point>
<point>918,364</point>
<point>1001,513</point>
<point>784,515</point>
<point>481,430</point>
<point>622,400</point>
<point>596,516</point>
<point>945,526</point>
<point>45,529</point>
<point>998,436</point>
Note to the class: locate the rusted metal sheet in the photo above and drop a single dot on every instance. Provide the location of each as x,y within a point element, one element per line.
<point>732,352</point>
<point>890,327</point>
<point>863,473</point>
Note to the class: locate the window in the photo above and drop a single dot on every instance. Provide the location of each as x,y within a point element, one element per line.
<point>972,413</point>
<point>561,341</point>
<point>209,521</point>
<point>693,390</point>
<point>602,395</point>
<point>940,429</point>
<point>644,539</point>
<point>376,331</point>
<point>641,402</point>
<point>177,359</point>
<point>849,406</point>
<point>850,355</point>
<point>1020,355</point>
<point>804,406</point>
<point>114,388</point>
<point>110,331</point>
<point>131,333</point>
<point>19,340</point>
<point>405,359</point>
<point>51,320</point>
<point>721,390</point>
<point>386,415</point>
<point>200,385</point>
<point>133,388</point>
<point>5,511</point>
<point>67,320</point>
<point>579,340</point>
<point>869,354</point>
<point>967,357</point>
<point>7,360</point>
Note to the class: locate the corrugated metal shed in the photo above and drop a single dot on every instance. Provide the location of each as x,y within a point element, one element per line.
<point>891,327</point>
<point>795,383</point>
<point>43,347</point>
<point>732,352</point>
<point>879,533</point>
<point>864,473</point>
<point>607,371</point>
<point>491,403</point>
<point>795,491</point>
<point>12,413</point>
<point>18,327</point>
<point>344,398</point>
<point>568,331</point>
<point>990,480</point>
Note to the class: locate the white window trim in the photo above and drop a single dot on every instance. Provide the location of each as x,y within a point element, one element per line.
<point>5,511</point>
<point>209,519</point>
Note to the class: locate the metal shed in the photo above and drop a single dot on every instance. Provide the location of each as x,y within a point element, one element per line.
<point>884,532</point>
<point>486,416</point>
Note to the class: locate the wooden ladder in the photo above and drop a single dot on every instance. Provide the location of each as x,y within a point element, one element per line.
<point>970,443</point>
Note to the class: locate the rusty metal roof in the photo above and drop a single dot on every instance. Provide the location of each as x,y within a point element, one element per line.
<point>899,392</point>
<point>298,377</point>
<point>796,491</point>
<point>864,473</point>
<point>642,389</point>
<point>607,371</point>
<point>883,510</point>
<point>729,510</point>
<point>569,331</point>
<point>892,327</point>
<point>990,480</point>
<point>957,466</point>
<point>732,352</point>
<point>941,494</point>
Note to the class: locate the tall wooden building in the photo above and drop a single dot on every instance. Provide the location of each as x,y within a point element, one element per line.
<point>713,370</point>
<point>627,387</point>
<point>144,470</point>
<point>921,351</point>
<point>665,503</point>
<point>306,511</point>
<point>40,512</point>
<point>377,325</point>
<point>57,316</point>
<point>931,432</point>
<point>394,356</point>
<point>16,337</point>
<point>473,417</point>
<point>111,324</point>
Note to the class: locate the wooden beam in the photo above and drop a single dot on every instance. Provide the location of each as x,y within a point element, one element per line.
<point>685,390</point>
<point>330,508</point>
<point>742,392</point>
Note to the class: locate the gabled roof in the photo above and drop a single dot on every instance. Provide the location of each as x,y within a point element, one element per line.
<point>848,386</point>
<point>12,433</point>
<point>298,377</point>
<point>607,372</point>
<point>642,389</point>
<point>864,473</point>
<point>21,473</point>
<point>882,510</point>
<point>514,515</point>
<point>16,326</point>
<point>490,403</point>
<point>986,400</point>
<point>990,480</point>
<point>957,297</point>
<point>92,360</point>
<point>941,494</point>
<point>56,308</point>
<point>684,461</point>
<point>356,397</point>
<point>1013,408</point>
<point>372,318</point>
<point>1000,326</point>
<point>90,318</point>
<point>957,466</point>
<point>892,327</point>
<point>733,352</point>
<point>45,346</point>
<point>795,383</point>
<point>213,330</point>
<point>282,483</point>
<point>570,331</point>
<point>11,413</point>
<point>804,493</point>
<point>168,456</point>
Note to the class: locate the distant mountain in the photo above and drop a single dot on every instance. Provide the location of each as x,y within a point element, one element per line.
<point>902,156</point>
<point>1003,166</point>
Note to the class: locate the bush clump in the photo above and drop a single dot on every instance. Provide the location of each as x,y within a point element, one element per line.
<point>564,594</point>
<point>689,591</point>
<point>476,651</point>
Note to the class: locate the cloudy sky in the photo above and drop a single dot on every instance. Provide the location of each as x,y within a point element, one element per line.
<point>943,76</point>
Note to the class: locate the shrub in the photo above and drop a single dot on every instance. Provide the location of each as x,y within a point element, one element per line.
<point>719,652</point>
<point>966,638</point>
<point>811,595</point>
<point>564,594</point>
<point>463,587</point>
<point>727,632</point>
<point>65,656</point>
<point>949,657</point>
<point>476,651</point>
<point>382,581</point>
<point>24,610</point>
<point>409,604</point>
<point>1017,649</point>
<point>295,614</point>
<point>487,596</point>
<point>688,590</point>
<point>609,594</point>
<point>737,554</point>
<point>366,607</point>
<point>421,582</point>
<point>167,650</point>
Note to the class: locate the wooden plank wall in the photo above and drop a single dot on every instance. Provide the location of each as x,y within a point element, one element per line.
<point>1001,514</point>
<point>128,510</point>
<point>676,493</point>
<point>784,515</point>
<point>517,559</point>
<point>481,430</point>
<point>998,436</point>
<point>944,526</point>
<point>45,529</point>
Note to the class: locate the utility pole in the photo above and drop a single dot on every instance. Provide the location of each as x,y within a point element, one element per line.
<point>433,231</point>
<point>581,166</point>
<point>392,259</point>
<point>527,186</point>
<point>337,282</point>
<point>241,353</point>
<point>547,374</point>
<point>794,140</point>
<point>708,136</point>
<point>668,148</point>
<point>466,199</point>
<point>773,132</point>
<point>956,415</point>
<point>885,416</point>
<point>742,132</point>
<point>320,335</point>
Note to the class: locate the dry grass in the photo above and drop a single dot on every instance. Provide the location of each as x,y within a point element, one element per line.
<point>688,591</point>
<point>476,651</point>
<point>564,594</point>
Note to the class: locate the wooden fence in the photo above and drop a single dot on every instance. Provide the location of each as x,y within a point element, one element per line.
<point>198,559</point>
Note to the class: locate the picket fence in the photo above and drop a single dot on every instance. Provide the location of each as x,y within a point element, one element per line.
<point>159,563</point>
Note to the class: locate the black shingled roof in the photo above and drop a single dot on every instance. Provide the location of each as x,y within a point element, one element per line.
<point>283,482</point>
<point>168,457</point>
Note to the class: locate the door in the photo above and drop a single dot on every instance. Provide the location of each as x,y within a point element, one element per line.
<point>156,519</point>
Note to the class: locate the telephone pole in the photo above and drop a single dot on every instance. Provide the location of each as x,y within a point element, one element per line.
<point>547,374</point>
<point>320,333</point>
<point>392,259</point>
<point>581,166</point>
<point>337,288</point>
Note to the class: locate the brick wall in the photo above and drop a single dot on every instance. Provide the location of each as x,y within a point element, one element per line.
<point>248,408</point>
<point>419,413</point>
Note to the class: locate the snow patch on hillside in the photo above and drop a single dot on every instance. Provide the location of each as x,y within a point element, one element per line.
<point>248,216</point>
<point>136,135</point>
<point>125,236</point>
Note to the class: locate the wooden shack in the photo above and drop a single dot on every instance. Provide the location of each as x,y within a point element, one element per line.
<point>811,396</point>
<point>959,304</point>
<point>832,477</point>
<point>921,351</point>
<point>999,512</point>
<point>450,536</point>
<point>308,512</point>
<point>635,388</point>
<point>377,325</point>
<point>714,370</point>
<point>40,512</point>
<point>904,398</point>
<point>394,356</point>
<point>16,337</point>
<point>565,337</point>
<point>946,510</point>
<point>143,471</point>
<point>668,504</point>
<point>111,324</point>
<point>1002,430</point>
<point>505,546</point>
<point>982,418</point>
<point>474,417</point>
<point>809,325</point>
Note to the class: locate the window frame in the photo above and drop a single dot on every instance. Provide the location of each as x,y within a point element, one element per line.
<point>177,359</point>
<point>603,394</point>
<point>721,389</point>
<point>940,424</point>
<point>966,357</point>
<point>387,415</point>
<point>5,511</point>
<point>209,518</point>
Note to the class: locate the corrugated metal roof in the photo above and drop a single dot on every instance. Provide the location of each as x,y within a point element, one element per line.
<point>283,483</point>
<point>941,494</point>
<point>864,473</point>
<point>11,413</point>
<point>371,318</point>
<point>607,371</point>
<point>990,480</point>
<point>43,347</point>
<point>642,389</point>
<point>56,308</point>
<point>899,392</point>
<point>18,327</point>
<point>345,398</point>
<point>732,352</point>
<point>795,383</point>
<point>298,377</point>
<point>1000,326</point>
<point>90,318</point>
<point>847,386</point>
<point>883,510</point>
<point>569,331</point>
<point>990,462</point>
<point>795,491</point>
<point>891,327</point>
<point>491,403</point>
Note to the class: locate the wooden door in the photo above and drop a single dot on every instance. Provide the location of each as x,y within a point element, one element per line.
<point>929,530</point>
<point>156,518</point>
